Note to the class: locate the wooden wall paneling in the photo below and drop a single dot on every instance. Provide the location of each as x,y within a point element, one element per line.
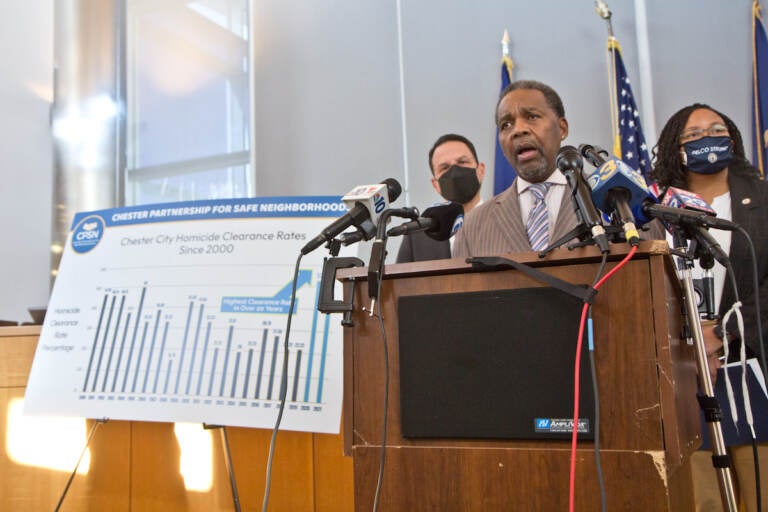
<point>156,481</point>
<point>136,465</point>
<point>292,486</point>
<point>17,348</point>
<point>334,489</point>
<point>33,488</point>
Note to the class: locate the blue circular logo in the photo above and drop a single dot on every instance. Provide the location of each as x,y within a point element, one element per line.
<point>87,234</point>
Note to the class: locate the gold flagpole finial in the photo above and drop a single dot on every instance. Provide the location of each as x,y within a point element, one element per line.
<point>602,10</point>
<point>505,58</point>
<point>505,44</point>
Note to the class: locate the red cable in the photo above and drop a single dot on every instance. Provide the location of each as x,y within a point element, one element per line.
<point>577,364</point>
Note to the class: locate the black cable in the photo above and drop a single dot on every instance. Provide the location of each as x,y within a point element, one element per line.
<point>756,293</point>
<point>79,460</point>
<point>283,388</point>
<point>758,494</point>
<point>598,463</point>
<point>375,278</point>
<point>230,469</point>
<point>759,321</point>
<point>593,370</point>
<point>386,404</point>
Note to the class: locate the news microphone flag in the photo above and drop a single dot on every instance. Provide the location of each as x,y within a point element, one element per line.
<point>628,139</point>
<point>759,95</point>
<point>503,172</point>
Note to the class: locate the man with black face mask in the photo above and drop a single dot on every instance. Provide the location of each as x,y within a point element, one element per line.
<point>456,176</point>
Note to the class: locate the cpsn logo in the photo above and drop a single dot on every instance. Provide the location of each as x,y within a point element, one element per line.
<point>87,234</point>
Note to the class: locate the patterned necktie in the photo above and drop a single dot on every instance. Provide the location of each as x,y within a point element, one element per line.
<point>538,219</point>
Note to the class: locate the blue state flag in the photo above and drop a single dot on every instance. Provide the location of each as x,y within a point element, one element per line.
<point>629,141</point>
<point>759,95</point>
<point>503,172</point>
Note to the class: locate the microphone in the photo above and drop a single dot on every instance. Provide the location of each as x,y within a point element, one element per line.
<point>615,186</point>
<point>436,222</point>
<point>679,198</point>
<point>350,238</point>
<point>694,216</point>
<point>708,244</point>
<point>365,203</point>
<point>594,154</point>
<point>684,207</point>
<point>690,201</point>
<point>708,290</point>
<point>570,164</point>
<point>611,173</point>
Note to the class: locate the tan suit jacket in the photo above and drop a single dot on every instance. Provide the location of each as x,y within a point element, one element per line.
<point>496,227</point>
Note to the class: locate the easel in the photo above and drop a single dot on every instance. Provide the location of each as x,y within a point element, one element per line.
<point>227,460</point>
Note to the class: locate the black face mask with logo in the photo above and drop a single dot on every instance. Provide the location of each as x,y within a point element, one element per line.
<point>459,184</point>
<point>708,155</point>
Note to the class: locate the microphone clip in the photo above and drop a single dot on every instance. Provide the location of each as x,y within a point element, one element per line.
<point>379,251</point>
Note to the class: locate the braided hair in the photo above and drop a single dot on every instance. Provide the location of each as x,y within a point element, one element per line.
<point>668,170</point>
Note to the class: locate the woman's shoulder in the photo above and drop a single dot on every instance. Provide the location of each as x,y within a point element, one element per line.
<point>742,168</point>
<point>744,175</point>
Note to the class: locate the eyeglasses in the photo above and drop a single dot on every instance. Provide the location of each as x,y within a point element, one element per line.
<point>716,130</point>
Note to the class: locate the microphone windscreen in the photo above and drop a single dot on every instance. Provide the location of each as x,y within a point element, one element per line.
<point>569,158</point>
<point>679,198</point>
<point>615,174</point>
<point>393,187</point>
<point>444,216</point>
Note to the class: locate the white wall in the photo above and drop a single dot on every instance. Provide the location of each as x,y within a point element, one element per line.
<point>328,93</point>
<point>26,39</point>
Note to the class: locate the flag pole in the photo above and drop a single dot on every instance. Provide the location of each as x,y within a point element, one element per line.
<point>505,57</point>
<point>503,172</point>
<point>602,10</point>
<point>759,135</point>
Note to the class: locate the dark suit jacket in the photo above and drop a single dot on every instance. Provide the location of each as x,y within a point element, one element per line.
<point>419,247</point>
<point>749,209</point>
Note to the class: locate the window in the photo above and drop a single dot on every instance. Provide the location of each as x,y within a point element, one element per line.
<point>187,96</point>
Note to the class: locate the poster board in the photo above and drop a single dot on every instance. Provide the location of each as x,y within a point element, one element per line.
<point>177,312</point>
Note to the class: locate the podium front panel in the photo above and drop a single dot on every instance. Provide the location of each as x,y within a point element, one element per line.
<point>492,365</point>
<point>646,379</point>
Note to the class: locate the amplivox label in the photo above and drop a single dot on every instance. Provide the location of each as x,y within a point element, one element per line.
<point>560,425</point>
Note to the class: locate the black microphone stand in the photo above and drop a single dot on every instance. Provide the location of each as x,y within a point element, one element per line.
<point>707,402</point>
<point>379,249</point>
<point>707,262</point>
<point>584,234</point>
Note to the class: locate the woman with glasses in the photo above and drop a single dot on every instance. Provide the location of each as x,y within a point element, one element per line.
<point>701,150</point>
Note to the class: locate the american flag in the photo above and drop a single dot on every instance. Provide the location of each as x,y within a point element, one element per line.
<point>629,141</point>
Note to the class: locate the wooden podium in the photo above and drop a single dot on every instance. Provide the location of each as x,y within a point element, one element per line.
<point>649,423</point>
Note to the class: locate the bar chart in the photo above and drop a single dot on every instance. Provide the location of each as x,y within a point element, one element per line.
<point>210,357</point>
<point>152,330</point>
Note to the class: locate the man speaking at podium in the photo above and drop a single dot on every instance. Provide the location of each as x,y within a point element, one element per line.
<point>536,208</point>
